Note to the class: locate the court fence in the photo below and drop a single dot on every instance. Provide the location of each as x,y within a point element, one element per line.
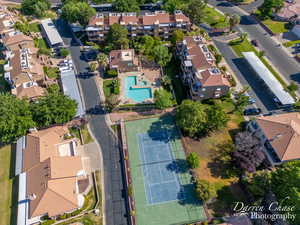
<point>127,174</point>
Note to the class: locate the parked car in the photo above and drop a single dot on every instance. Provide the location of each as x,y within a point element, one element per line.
<point>255,43</point>
<point>252,111</point>
<point>251,99</point>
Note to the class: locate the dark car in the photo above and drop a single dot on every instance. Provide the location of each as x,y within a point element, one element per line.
<point>252,111</point>
<point>255,43</point>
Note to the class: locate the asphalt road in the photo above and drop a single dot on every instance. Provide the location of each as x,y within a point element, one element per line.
<point>115,200</point>
<point>285,64</point>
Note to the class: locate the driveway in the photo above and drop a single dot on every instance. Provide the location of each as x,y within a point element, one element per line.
<point>115,200</point>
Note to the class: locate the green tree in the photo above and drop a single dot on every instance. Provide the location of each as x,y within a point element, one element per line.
<point>177,36</point>
<point>53,89</point>
<point>35,7</point>
<point>146,45</point>
<point>15,118</point>
<point>233,21</point>
<point>163,99</point>
<point>53,108</point>
<point>217,117</point>
<point>193,160</point>
<point>161,55</point>
<point>269,7</point>
<point>191,118</point>
<point>195,10</point>
<point>117,36</point>
<point>127,6</point>
<point>241,102</point>
<point>172,5</point>
<point>205,190</point>
<point>218,58</point>
<point>76,11</point>
<point>64,52</point>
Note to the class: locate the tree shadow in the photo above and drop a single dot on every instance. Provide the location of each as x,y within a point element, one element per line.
<point>187,195</point>
<point>178,166</point>
<point>222,163</point>
<point>164,129</point>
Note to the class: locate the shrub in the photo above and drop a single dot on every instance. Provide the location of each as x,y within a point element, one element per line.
<point>64,52</point>
<point>205,190</point>
<point>193,160</point>
<point>111,73</point>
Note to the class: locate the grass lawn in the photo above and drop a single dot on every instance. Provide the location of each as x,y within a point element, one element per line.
<point>7,182</point>
<point>87,138</point>
<point>40,43</point>
<point>172,70</point>
<point>291,43</point>
<point>214,18</point>
<point>246,46</point>
<point>34,27</point>
<point>107,87</point>
<point>212,166</point>
<point>51,72</point>
<point>276,27</point>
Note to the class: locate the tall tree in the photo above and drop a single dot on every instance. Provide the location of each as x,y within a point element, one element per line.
<point>163,99</point>
<point>161,55</point>
<point>35,7</point>
<point>191,118</point>
<point>248,154</point>
<point>233,21</point>
<point>194,10</point>
<point>15,118</point>
<point>127,6</point>
<point>53,108</point>
<point>117,36</point>
<point>77,11</point>
<point>177,35</point>
<point>217,117</point>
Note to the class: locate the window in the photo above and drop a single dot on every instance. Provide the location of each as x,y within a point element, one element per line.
<point>203,89</point>
<point>218,89</point>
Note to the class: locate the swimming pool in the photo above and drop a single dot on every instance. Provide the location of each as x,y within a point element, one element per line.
<point>136,94</point>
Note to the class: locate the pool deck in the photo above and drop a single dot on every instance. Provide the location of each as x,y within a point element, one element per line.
<point>140,77</point>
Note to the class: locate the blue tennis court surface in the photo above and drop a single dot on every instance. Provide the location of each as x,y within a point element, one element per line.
<point>159,168</point>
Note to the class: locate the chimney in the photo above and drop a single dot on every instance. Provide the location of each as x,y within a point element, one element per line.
<point>31,197</point>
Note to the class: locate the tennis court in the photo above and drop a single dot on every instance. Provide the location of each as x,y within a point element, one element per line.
<point>162,187</point>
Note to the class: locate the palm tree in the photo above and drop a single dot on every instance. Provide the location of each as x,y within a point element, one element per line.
<point>102,59</point>
<point>233,21</point>
<point>243,36</point>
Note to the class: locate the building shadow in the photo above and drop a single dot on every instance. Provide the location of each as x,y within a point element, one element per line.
<point>247,20</point>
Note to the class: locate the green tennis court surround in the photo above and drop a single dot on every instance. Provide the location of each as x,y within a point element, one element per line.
<point>162,187</point>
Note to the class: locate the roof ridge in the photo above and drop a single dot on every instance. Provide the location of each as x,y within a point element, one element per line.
<point>62,196</point>
<point>288,144</point>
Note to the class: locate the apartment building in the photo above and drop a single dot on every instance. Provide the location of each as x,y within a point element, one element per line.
<point>50,171</point>
<point>159,23</point>
<point>279,136</point>
<point>199,70</point>
<point>24,73</point>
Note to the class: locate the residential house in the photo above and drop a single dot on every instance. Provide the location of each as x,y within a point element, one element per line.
<point>199,70</point>
<point>280,136</point>
<point>50,169</point>
<point>159,23</point>
<point>289,12</point>
<point>6,21</point>
<point>123,60</point>
<point>15,40</point>
<point>24,73</point>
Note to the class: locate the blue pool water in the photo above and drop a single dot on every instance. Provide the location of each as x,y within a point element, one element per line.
<point>136,94</point>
